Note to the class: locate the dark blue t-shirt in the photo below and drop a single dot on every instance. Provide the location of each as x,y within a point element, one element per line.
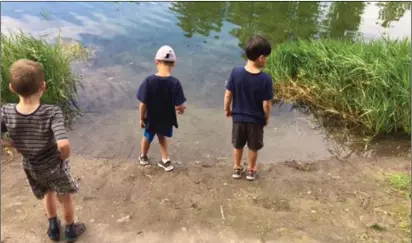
<point>161,95</point>
<point>249,91</point>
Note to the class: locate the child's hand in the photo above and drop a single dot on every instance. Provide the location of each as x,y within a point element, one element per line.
<point>228,113</point>
<point>7,143</point>
<point>142,125</point>
<point>266,121</point>
<point>180,109</point>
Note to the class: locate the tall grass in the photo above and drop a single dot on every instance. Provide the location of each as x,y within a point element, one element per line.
<point>360,84</point>
<point>56,59</point>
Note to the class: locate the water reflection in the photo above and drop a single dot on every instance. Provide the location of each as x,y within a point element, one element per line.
<point>283,21</point>
<point>343,20</point>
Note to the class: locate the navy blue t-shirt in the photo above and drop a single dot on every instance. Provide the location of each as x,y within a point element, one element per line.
<point>161,95</point>
<point>249,91</point>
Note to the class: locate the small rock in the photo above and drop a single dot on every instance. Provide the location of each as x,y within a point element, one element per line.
<point>124,219</point>
<point>309,192</point>
<point>313,211</point>
<point>184,229</point>
<point>91,221</point>
<point>225,184</point>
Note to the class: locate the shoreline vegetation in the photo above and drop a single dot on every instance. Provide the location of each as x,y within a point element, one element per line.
<point>362,86</point>
<point>56,59</point>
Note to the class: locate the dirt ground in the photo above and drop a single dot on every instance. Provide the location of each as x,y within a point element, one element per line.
<point>120,201</point>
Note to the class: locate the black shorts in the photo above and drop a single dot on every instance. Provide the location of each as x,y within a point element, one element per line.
<point>249,133</point>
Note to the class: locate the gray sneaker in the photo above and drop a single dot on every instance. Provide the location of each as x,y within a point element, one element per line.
<point>167,166</point>
<point>251,175</point>
<point>238,172</point>
<point>144,160</point>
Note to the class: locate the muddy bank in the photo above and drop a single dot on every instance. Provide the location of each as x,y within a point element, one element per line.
<point>324,201</point>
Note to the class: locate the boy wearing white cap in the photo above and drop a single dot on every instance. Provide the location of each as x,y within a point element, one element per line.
<point>161,96</point>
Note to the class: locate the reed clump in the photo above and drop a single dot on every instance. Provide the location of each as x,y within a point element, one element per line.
<point>362,85</point>
<point>56,59</point>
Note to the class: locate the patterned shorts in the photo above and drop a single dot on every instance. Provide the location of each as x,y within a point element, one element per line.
<point>56,179</point>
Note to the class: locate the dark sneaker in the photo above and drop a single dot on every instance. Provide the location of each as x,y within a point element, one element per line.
<point>54,230</point>
<point>144,160</point>
<point>167,166</point>
<point>238,172</point>
<point>73,231</point>
<point>251,175</point>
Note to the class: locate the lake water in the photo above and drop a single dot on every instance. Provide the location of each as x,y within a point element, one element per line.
<point>207,37</point>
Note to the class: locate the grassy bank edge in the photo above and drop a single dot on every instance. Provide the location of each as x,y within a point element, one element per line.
<point>360,85</point>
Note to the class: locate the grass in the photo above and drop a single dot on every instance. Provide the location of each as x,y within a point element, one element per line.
<point>56,59</point>
<point>352,84</point>
<point>400,181</point>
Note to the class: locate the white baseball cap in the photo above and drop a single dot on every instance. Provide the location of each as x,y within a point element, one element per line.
<point>166,53</point>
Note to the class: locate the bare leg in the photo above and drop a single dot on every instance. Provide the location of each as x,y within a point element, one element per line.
<point>145,146</point>
<point>252,159</point>
<point>50,201</point>
<point>237,156</point>
<point>68,207</point>
<point>163,147</point>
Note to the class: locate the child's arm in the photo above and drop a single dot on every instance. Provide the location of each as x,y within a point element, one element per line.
<point>5,142</point>
<point>267,99</point>
<point>60,134</point>
<point>142,111</point>
<point>180,99</point>
<point>228,103</point>
<point>267,107</point>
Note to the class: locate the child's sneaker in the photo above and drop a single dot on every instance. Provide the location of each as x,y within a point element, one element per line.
<point>167,166</point>
<point>144,160</point>
<point>238,172</point>
<point>54,229</point>
<point>251,175</point>
<point>73,231</point>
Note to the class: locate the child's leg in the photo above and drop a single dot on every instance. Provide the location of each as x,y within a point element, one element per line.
<point>66,187</point>
<point>255,143</point>
<point>67,202</point>
<point>165,163</point>
<point>38,182</point>
<point>50,201</point>
<point>145,146</point>
<point>252,159</point>
<point>163,147</point>
<point>238,141</point>
<point>237,157</point>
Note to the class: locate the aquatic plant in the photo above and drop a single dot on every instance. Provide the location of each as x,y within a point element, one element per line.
<point>56,59</point>
<point>362,85</point>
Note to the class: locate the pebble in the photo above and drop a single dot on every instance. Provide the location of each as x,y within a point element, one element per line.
<point>91,221</point>
<point>124,219</point>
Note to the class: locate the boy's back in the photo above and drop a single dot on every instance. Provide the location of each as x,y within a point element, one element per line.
<point>161,95</point>
<point>34,135</point>
<point>249,91</point>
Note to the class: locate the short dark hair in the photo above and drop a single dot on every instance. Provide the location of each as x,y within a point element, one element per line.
<point>168,63</point>
<point>26,77</point>
<point>257,46</point>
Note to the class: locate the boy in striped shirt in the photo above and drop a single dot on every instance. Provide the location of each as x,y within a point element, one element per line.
<point>37,132</point>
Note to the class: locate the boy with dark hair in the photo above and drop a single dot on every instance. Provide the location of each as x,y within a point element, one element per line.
<point>251,91</point>
<point>37,132</point>
<point>160,96</point>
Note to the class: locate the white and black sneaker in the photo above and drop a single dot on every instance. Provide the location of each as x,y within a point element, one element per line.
<point>167,166</point>
<point>144,160</point>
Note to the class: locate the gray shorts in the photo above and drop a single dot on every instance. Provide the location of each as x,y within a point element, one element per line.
<point>56,179</point>
<point>249,133</point>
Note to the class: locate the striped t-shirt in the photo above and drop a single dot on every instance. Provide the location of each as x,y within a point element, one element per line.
<point>34,135</point>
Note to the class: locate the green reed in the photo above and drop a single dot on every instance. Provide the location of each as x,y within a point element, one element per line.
<point>56,59</point>
<point>359,84</point>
